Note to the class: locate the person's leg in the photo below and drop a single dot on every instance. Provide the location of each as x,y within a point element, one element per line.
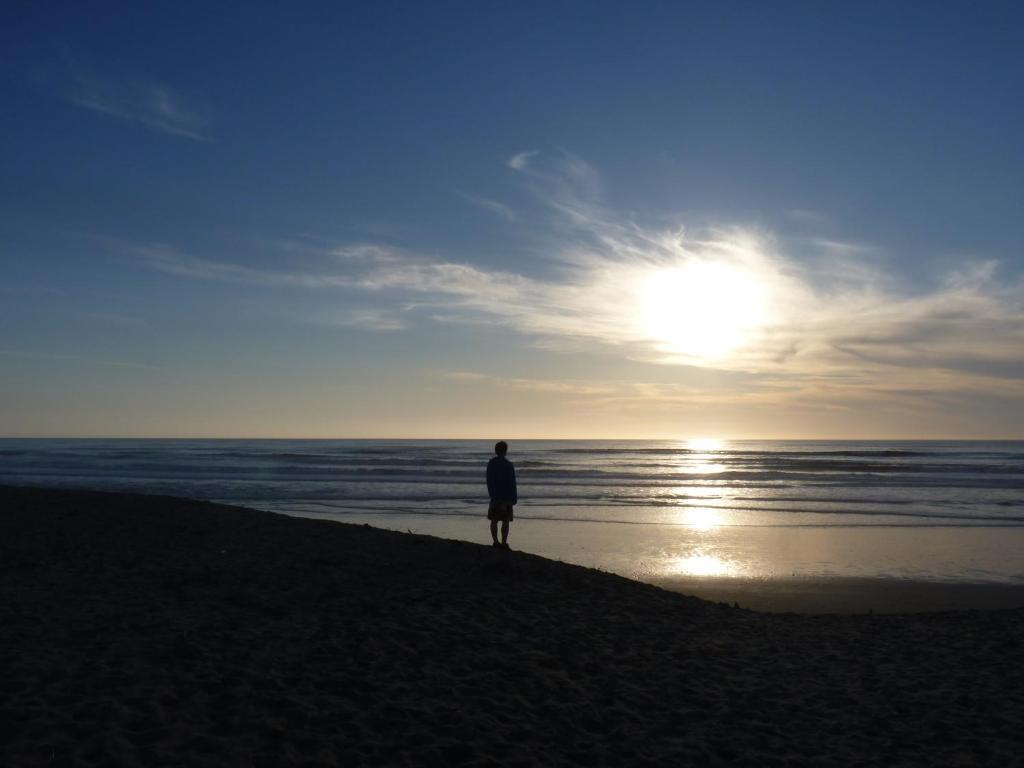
<point>494,530</point>
<point>504,531</point>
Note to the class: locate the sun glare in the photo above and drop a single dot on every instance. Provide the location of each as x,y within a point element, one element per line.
<point>705,444</point>
<point>703,309</point>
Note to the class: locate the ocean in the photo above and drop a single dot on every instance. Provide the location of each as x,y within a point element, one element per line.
<point>928,510</point>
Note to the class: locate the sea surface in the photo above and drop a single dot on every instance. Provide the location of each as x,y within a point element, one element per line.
<point>931,510</point>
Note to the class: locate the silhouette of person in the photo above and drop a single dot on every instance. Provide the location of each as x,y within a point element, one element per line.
<point>501,486</point>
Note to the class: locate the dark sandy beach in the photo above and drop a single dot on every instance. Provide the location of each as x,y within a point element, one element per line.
<point>848,595</point>
<point>148,631</point>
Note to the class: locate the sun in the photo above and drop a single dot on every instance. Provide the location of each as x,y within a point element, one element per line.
<point>702,309</point>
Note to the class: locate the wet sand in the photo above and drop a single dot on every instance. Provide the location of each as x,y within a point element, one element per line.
<point>140,630</point>
<point>848,595</point>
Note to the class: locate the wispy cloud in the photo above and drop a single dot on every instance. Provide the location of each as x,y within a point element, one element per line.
<point>153,105</point>
<point>60,357</point>
<point>499,209</point>
<point>112,319</point>
<point>367,253</point>
<point>617,395</point>
<point>369,319</point>
<point>16,289</point>
<point>165,258</point>
<point>833,320</point>
<point>520,160</point>
<point>559,386</point>
<point>806,216</point>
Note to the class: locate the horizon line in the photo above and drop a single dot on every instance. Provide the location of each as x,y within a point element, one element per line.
<point>533,439</point>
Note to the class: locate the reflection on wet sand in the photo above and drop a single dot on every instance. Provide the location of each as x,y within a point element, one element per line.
<point>700,565</point>
<point>702,518</point>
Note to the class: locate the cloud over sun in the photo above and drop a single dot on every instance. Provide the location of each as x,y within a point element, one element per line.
<point>730,298</point>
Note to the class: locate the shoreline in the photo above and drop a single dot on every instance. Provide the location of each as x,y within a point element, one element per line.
<point>810,594</point>
<point>763,568</point>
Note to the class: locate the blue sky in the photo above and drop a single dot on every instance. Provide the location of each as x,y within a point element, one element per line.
<point>458,220</point>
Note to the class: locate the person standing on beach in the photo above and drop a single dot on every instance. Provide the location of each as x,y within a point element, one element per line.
<point>501,486</point>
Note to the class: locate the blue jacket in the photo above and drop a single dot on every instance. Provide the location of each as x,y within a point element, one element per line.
<point>501,480</point>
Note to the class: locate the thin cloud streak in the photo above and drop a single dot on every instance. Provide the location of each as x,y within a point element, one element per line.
<point>366,319</point>
<point>807,216</point>
<point>562,387</point>
<point>498,209</point>
<point>819,393</point>
<point>520,160</point>
<point>165,258</point>
<point>152,105</point>
<point>56,356</point>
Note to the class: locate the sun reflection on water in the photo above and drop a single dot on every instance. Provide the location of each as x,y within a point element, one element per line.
<point>702,467</point>
<point>700,457</point>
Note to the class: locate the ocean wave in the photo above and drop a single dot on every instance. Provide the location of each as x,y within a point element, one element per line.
<point>973,479</point>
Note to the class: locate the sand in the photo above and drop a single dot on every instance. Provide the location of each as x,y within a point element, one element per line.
<point>154,631</point>
<point>848,595</point>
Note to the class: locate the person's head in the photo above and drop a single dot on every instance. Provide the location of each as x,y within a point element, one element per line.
<point>501,447</point>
